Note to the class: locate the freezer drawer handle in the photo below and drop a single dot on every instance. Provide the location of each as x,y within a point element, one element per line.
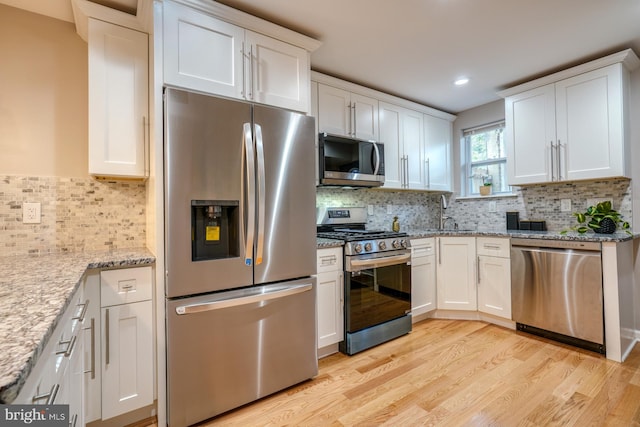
<point>216,305</point>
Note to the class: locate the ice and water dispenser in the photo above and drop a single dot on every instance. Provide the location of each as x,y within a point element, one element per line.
<point>214,228</point>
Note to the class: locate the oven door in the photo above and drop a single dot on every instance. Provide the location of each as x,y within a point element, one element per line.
<point>377,290</point>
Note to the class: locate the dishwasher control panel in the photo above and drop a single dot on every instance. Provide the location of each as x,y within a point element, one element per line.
<point>557,244</point>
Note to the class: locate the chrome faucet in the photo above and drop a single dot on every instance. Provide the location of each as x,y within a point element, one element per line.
<point>443,207</point>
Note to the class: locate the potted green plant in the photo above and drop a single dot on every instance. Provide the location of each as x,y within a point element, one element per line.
<point>600,218</point>
<point>485,188</point>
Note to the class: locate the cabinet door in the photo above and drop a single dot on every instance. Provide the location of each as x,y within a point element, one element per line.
<point>91,349</point>
<point>118,100</point>
<point>334,113</point>
<point>365,117</point>
<point>127,358</point>
<point>412,138</point>
<point>278,73</point>
<point>437,148</point>
<point>494,286</point>
<point>530,133</point>
<point>423,285</point>
<point>589,111</point>
<point>202,52</point>
<point>330,308</point>
<point>456,273</point>
<point>76,385</point>
<point>391,137</point>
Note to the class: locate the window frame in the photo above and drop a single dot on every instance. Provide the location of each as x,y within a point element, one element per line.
<point>467,176</point>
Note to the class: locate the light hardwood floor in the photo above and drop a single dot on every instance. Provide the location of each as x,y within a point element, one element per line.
<point>457,373</point>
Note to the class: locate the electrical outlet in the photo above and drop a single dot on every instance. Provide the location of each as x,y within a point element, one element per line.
<point>492,206</point>
<point>389,209</point>
<point>370,210</point>
<point>31,213</point>
<point>565,205</point>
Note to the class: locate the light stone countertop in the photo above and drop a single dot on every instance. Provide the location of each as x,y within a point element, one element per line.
<point>35,291</point>
<point>619,236</point>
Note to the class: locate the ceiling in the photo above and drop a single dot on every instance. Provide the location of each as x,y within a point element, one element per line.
<point>417,48</point>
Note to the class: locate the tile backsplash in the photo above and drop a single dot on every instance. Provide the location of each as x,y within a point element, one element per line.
<point>77,214</point>
<point>420,210</point>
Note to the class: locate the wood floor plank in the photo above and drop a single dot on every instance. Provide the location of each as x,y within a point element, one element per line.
<point>457,373</point>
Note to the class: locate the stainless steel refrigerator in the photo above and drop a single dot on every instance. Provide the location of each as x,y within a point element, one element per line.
<point>240,253</point>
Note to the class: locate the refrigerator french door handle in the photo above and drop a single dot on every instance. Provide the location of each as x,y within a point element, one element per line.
<point>377,165</point>
<point>247,144</point>
<point>235,302</point>
<point>261,193</point>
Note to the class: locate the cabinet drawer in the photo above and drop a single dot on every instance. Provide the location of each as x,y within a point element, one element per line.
<point>492,246</point>
<point>125,285</point>
<point>423,247</point>
<point>329,260</point>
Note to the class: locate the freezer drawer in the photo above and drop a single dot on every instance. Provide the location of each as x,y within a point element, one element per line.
<point>230,348</point>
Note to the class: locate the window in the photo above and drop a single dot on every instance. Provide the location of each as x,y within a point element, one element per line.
<point>487,161</point>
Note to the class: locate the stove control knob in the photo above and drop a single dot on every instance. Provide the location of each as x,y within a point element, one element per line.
<point>358,248</point>
<point>367,247</point>
<point>395,244</point>
<point>382,245</point>
<point>403,243</point>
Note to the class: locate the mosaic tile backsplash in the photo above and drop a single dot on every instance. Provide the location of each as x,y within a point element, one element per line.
<point>420,210</point>
<point>77,214</point>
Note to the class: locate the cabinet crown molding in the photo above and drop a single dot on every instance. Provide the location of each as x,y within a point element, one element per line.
<point>84,9</point>
<point>251,22</point>
<point>381,96</point>
<point>627,57</point>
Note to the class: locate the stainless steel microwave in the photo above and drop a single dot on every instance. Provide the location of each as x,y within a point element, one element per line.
<point>350,162</point>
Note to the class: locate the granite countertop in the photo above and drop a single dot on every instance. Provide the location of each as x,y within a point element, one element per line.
<point>619,236</point>
<point>34,294</point>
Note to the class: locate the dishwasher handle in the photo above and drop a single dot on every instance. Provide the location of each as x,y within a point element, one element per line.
<point>235,302</point>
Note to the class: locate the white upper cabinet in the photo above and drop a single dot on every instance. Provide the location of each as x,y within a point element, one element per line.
<point>437,148</point>
<point>202,52</point>
<point>572,127</point>
<point>207,54</point>
<point>118,100</point>
<point>402,133</point>
<point>341,112</point>
<point>589,125</point>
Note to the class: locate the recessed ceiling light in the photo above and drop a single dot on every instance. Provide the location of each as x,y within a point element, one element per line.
<point>461,81</point>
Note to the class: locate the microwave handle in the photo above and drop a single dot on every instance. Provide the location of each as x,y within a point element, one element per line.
<point>377,165</point>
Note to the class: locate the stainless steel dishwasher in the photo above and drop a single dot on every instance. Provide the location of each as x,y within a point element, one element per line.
<point>556,291</point>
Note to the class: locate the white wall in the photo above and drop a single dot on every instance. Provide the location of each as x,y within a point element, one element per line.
<point>43,96</point>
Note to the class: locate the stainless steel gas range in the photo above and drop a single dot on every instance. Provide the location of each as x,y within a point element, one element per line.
<point>377,278</point>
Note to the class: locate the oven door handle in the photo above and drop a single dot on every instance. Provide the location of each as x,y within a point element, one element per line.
<point>364,264</point>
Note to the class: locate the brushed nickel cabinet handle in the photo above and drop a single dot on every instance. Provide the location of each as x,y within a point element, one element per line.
<point>106,332</point>
<point>51,396</point>
<point>93,349</point>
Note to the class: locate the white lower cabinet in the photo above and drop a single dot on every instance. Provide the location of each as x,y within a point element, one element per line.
<point>127,358</point>
<point>127,340</point>
<point>57,376</point>
<point>423,276</point>
<point>330,299</point>
<point>456,273</point>
<point>119,356</point>
<point>494,276</point>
